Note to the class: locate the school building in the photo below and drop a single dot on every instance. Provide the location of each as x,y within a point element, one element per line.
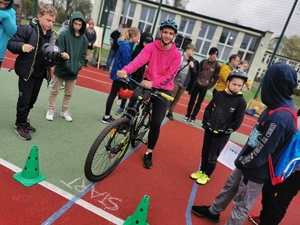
<point>203,31</point>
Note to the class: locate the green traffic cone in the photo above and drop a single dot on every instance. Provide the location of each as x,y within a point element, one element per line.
<point>140,214</point>
<point>30,174</point>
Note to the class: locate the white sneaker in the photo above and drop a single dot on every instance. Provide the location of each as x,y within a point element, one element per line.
<point>50,114</point>
<point>66,115</point>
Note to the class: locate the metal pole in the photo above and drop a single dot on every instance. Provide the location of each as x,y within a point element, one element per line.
<point>277,46</point>
<point>156,16</point>
<point>102,17</point>
<point>35,9</point>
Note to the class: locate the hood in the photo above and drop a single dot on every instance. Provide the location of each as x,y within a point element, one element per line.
<point>143,36</point>
<point>278,85</point>
<point>77,15</point>
<point>140,46</point>
<point>10,5</point>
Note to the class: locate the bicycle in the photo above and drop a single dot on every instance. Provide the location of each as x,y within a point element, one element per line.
<point>113,142</point>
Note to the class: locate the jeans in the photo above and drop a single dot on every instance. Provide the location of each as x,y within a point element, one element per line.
<point>111,56</point>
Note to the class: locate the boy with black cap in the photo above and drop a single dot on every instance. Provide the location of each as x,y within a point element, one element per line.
<point>207,77</point>
<point>223,115</point>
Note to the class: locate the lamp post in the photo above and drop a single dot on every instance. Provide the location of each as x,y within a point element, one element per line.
<point>277,45</point>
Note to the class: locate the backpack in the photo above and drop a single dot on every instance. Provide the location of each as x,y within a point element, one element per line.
<point>289,159</point>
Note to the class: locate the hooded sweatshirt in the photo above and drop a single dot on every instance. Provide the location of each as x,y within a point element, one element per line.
<point>75,46</point>
<point>272,133</point>
<point>8,27</point>
<point>162,65</point>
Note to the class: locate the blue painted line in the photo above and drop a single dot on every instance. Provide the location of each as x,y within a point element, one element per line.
<point>188,217</point>
<point>68,205</point>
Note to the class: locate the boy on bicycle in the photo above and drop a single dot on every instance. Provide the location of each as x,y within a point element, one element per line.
<point>163,60</point>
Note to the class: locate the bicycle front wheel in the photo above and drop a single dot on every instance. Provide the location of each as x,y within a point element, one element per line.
<point>108,150</point>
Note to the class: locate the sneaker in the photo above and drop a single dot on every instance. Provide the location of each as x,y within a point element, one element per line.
<point>254,218</point>
<point>50,114</point>
<point>108,120</point>
<point>203,211</point>
<point>62,86</point>
<point>120,111</point>
<point>51,83</point>
<point>170,116</point>
<point>30,128</point>
<point>196,175</point>
<point>23,132</point>
<point>192,122</point>
<point>66,115</point>
<point>119,101</point>
<point>203,179</point>
<point>185,119</point>
<point>148,160</point>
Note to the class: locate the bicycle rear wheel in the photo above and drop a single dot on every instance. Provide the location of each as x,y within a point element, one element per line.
<point>141,129</point>
<point>108,150</point>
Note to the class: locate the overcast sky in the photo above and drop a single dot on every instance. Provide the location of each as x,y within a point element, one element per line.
<point>265,15</point>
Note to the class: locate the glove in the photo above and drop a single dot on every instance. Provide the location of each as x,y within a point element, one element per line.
<point>229,131</point>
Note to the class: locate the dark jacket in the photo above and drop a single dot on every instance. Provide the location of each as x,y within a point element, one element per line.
<point>272,132</point>
<point>225,112</point>
<point>29,64</point>
<point>191,75</point>
<point>91,37</point>
<point>114,36</point>
<point>75,46</point>
<point>138,75</point>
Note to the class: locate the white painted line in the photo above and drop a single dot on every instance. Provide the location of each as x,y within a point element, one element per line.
<point>69,196</point>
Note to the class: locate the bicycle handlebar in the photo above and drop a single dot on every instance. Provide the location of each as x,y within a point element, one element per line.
<point>153,90</point>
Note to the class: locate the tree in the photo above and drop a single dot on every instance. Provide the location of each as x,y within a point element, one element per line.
<point>290,47</point>
<point>181,4</point>
<point>84,6</point>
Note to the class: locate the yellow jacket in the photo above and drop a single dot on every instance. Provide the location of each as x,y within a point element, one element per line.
<point>225,70</point>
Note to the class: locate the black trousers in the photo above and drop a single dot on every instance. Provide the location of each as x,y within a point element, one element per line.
<point>159,109</point>
<point>193,110</point>
<point>212,146</point>
<point>276,199</point>
<point>115,88</point>
<point>28,93</point>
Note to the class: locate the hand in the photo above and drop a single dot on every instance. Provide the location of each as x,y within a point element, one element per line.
<point>65,55</point>
<point>27,48</point>
<point>147,83</point>
<point>121,73</point>
<point>191,64</point>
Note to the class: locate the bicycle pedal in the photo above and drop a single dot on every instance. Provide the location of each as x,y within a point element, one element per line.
<point>144,142</point>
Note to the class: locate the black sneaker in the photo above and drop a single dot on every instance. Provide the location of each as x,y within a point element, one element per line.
<point>170,116</point>
<point>203,211</point>
<point>30,128</point>
<point>148,160</point>
<point>108,120</point>
<point>22,131</point>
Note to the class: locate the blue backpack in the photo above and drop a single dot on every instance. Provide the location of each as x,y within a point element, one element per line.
<point>289,159</point>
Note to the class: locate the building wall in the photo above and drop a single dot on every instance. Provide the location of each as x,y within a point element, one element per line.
<point>257,65</point>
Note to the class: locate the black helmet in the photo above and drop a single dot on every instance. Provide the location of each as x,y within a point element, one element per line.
<point>50,54</point>
<point>169,23</point>
<point>238,74</point>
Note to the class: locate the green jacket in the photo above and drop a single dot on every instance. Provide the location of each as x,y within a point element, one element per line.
<point>75,46</point>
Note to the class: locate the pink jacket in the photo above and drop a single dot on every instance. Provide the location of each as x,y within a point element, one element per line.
<point>162,65</point>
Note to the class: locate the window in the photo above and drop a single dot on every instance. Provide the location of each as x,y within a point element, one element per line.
<point>185,30</point>
<point>128,13</point>
<point>108,14</point>
<point>146,19</point>
<point>226,42</point>
<point>204,39</point>
<point>247,48</point>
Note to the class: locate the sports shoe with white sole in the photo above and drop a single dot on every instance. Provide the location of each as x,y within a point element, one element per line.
<point>66,115</point>
<point>50,114</point>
